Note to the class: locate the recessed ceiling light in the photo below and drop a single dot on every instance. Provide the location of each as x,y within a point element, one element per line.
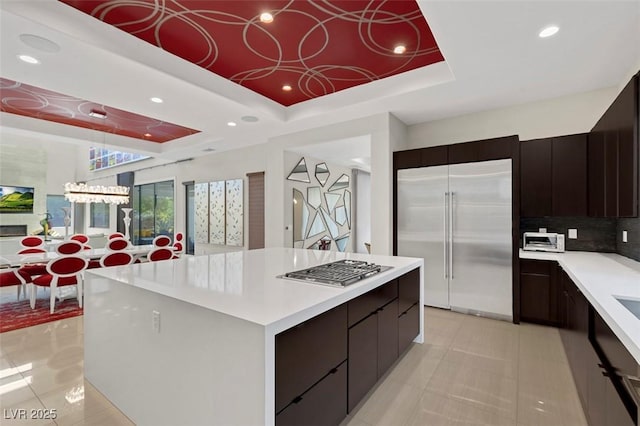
<point>286,88</point>
<point>28,59</point>
<point>232,124</point>
<point>400,49</point>
<point>98,114</point>
<point>249,118</point>
<point>266,18</point>
<point>548,32</point>
<point>148,135</point>
<point>40,43</point>
<point>156,100</point>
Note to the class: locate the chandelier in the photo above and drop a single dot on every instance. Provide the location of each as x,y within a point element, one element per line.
<point>83,193</point>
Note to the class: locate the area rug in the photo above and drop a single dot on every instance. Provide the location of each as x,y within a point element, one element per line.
<point>16,315</point>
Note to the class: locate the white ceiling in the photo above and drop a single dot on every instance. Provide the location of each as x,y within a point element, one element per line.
<point>494,59</point>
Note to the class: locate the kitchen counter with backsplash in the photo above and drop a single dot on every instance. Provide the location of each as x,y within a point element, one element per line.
<point>604,278</point>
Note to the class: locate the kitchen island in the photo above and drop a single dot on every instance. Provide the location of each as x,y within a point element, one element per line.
<point>198,340</point>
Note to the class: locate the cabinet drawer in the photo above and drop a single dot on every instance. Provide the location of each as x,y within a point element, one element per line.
<point>362,306</point>
<point>307,352</point>
<point>322,405</point>
<point>408,290</point>
<point>541,267</point>
<point>408,327</point>
<point>387,336</point>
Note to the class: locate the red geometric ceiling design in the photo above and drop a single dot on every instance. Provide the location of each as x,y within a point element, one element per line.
<point>34,102</point>
<point>316,47</point>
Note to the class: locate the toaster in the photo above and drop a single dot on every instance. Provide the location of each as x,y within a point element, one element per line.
<point>543,241</point>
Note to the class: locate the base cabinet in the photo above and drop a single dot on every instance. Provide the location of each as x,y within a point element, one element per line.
<point>540,292</point>
<point>590,347</point>
<point>327,364</point>
<point>324,404</point>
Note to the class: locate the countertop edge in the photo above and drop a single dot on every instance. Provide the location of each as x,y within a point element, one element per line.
<point>564,260</point>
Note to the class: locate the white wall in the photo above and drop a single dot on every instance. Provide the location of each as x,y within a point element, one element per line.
<point>554,117</point>
<point>27,160</point>
<point>363,210</point>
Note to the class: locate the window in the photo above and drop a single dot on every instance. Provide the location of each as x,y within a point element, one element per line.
<point>55,203</point>
<point>102,158</point>
<point>153,208</point>
<point>99,215</point>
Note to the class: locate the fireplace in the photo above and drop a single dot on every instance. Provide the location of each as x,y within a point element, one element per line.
<point>13,230</point>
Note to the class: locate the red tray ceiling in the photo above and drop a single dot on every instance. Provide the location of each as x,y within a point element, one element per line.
<point>31,101</point>
<point>317,47</point>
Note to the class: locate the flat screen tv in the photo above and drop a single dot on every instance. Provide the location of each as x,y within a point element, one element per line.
<point>16,199</point>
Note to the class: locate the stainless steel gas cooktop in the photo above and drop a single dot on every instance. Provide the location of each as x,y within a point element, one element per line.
<point>338,274</point>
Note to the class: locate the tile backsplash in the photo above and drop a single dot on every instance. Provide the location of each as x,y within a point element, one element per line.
<point>594,234</point>
<point>631,248</point>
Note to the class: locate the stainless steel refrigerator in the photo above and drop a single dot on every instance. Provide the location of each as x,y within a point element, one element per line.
<point>458,218</point>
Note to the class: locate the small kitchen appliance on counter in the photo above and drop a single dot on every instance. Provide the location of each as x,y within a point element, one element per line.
<point>338,274</point>
<point>543,241</point>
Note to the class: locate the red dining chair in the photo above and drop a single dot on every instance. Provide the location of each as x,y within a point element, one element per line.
<point>117,244</point>
<point>15,277</point>
<point>82,239</point>
<point>116,258</point>
<point>162,241</point>
<point>116,235</point>
<point>63,271</point>
<point>33,245</point>
<point>32,242</point>
<point>160,253</point>
<point>178,247</point>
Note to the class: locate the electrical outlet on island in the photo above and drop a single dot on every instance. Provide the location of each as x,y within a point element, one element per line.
<point>573,234</point>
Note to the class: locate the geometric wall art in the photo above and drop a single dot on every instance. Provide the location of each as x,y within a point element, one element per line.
<point>319,223</point>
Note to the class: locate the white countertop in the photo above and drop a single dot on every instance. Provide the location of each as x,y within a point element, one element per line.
<point>243,284</point>
<point>601,277</point>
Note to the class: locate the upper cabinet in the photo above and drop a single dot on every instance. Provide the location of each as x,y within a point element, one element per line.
<point>613,158</point>
<point>553,176</point>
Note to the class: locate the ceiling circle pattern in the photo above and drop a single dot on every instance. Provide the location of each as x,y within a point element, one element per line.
<point>317,47</point>
<point>30,101</point>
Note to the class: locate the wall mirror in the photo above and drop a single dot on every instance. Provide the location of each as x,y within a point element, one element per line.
<point>341,183</point>
<point>314,196</point>
<point>300,172</point>
<point>300,217</point>
<point>322,173</point>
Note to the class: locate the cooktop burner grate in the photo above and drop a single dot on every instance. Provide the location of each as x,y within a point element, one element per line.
<point>340,273</point>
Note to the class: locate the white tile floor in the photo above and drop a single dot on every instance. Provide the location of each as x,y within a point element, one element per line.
<point>471,371</point>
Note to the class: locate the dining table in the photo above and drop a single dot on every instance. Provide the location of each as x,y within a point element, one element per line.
<point>16,260</point>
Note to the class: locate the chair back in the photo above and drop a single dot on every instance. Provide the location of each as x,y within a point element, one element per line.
<point>116,258</point>
<point>69,248</point>
<point>67,266</point>
<point>32,250</point>
<point>82,239</point>
<point>116,235</point>
<point>31,241</point>
<point>178,247</point>
<point>117,244</point>
<point>162,241</point>
<point>160,253</point>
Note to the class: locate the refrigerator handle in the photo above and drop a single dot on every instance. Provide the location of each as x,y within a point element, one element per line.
<point>446,235</point>
<point>452,201</point>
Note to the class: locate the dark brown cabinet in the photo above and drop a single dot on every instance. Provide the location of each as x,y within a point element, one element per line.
<point>597,360</point>
<point>324,404</point>
<point>408,309</point>
<point>308,352</point>
<point>325,365</point>
<point>553,176</point>
<point>373,339</point>
<point>540,292</point>
<point>613,158</point>
<point>535,178</point>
